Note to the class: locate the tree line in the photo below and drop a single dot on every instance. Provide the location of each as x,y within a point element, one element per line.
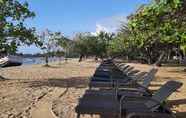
<point>155,32</point>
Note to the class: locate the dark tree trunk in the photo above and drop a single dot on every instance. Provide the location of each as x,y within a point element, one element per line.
<point>66,60</point>
<point>96,58</point>
<point>169,55</point>
<point>2,78</point>
<point>179,52</point>
<point>158,62</point>
<point>184,60</point>
<point>149,57</point>
<point>81,57</point>
<point>60,59</point>
<point>46,60</point>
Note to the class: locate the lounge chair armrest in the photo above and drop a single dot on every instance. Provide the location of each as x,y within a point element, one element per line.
<point>137,97</point>
<point>150,115</point>
<point>142,87</point>
<point>131,98</point>
<point>144,92</point>
<point>134,83</point>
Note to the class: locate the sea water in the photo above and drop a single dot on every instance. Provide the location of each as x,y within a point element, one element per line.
<point>39,60</point>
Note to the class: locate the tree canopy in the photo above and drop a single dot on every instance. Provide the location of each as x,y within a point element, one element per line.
<point>156,28</point>
<point>98,45</point>
<point>13,32</point>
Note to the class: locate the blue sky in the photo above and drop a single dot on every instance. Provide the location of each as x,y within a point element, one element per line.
<point>72,16</point>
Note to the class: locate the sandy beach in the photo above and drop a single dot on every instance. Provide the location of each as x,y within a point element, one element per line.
<point>36,91</point>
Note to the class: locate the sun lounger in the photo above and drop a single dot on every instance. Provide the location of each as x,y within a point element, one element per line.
<point>132,72</point>
<point>137,89</point>
<point>147,78</point>
<point>128,70</point>
<point>108,104</point>
<point>128,81</point>
<point>113,66</point>
<point>98,105</point>
<point>115,73</point>
<point>100,82</point>
<point>136,106</point>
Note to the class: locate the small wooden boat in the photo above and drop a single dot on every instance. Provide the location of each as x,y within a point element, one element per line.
<point>10,60</point>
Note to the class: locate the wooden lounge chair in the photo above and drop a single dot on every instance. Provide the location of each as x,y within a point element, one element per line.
<point>130,105</point>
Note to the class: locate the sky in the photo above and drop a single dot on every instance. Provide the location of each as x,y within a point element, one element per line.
<point>73,16</point>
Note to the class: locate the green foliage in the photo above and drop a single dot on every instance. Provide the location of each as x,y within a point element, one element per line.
<point>55,44</point>
<point>87,44</point>
<point>183,48</point>
<point>12,30</point>
<point>66,45</point>
<point>118,45</point>
<point>159,21</point>
<point>154,29</point>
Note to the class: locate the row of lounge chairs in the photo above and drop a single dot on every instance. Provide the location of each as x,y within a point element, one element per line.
<point>120,91</point>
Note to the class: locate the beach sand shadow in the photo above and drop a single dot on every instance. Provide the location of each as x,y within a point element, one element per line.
<point>172,103</point>
<point>176,102</point>
<point>179,71</point>
<point>180,115</point>
<point>156,85</point>
<point>172,65</point>
<point>2,78</point>
<point>164,79</point>
<point>52,66</point>
<point>73,82</point>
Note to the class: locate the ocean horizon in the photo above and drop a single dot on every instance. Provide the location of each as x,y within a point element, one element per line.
<point>39,60</point>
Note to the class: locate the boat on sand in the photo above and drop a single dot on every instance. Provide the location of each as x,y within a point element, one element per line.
<point>10,60</point>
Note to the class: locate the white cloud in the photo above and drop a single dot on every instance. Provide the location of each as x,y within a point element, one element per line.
<point>109,24</point>
<point>112,24</point>
<point>99,28</point>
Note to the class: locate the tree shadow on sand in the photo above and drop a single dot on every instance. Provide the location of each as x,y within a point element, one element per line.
<point>76,82</point>
<point>172,65</point>
<point>2,78</point>
<point>173,103</point>
<point>156,85</point>
<point>164,79</point>
<point>52,66</point>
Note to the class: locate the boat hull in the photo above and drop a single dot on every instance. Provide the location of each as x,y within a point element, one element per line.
<point>10,61</point>
<point>10,64</point>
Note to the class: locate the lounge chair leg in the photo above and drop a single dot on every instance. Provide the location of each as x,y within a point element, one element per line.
<point>90,87</point>
<point>78,115</point>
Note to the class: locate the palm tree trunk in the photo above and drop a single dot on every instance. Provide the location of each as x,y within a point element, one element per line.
<point>46,60</point>
<point>158,62</point>
<point>81,58</point>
